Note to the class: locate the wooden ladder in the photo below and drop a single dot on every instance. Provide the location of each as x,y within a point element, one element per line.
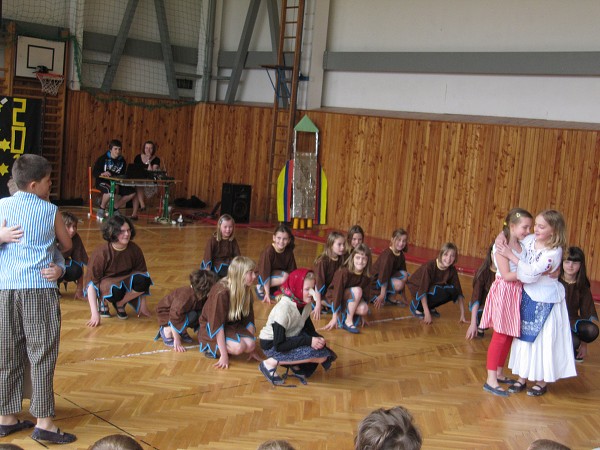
<point>286,78</point>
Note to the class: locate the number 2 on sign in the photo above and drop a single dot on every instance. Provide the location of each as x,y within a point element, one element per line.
<point>18,127</point>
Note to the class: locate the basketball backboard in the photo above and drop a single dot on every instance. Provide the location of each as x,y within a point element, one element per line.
<point>33,52</point>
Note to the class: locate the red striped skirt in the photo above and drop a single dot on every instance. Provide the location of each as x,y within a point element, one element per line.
<point>502,307</point>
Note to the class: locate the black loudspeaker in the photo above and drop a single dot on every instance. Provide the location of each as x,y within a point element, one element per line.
<point>235,201</point>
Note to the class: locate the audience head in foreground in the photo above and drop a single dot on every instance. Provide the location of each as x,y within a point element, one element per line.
<point>387,429</point>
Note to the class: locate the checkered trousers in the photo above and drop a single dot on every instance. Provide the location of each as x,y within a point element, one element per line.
<point>29,328</point>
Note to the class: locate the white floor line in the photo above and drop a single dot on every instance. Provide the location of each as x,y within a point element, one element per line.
<point>154,352</point>
<point>390,319</point>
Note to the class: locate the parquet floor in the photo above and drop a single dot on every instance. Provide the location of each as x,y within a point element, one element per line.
<point>117,379</point>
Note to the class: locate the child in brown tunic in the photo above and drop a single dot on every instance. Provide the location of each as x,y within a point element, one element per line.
<point>580,304</point>
<point>325,267</point>
<point>76,258</point>
<point>436,283</point>
<point>389,271</point>
<point>227,319</point>
<point>275,263</point>
<point>482,281</point>
<point>117,273</point>
<point>181,309</point>
<point>356,236</point>
<point>346,293</point>
<point>221,248</point>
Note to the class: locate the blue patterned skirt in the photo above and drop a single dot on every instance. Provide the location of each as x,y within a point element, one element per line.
<point>533,316</point>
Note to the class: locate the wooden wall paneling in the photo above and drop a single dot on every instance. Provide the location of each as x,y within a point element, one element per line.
<point>362,169</point>
<point>335,166</point>
<point>584,229</point>
<point>439,180</point>
<point>473,161</point>
<point>436,191</point>
<point>391,178</point>
<point>417,143</point>
<point>230,145</point>
<point>92,123</point>
<point>457,201</point>
<point>483,188</point>
<point>199,144</point>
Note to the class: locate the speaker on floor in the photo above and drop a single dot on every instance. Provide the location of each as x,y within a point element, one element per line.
<point>235,201</point>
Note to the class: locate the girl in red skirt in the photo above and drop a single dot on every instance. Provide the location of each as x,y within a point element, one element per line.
<point>502,305</point>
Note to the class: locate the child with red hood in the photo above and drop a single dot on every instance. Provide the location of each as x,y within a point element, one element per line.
<point>289,338</point>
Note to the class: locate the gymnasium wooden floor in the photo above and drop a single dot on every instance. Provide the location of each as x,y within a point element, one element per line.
<point>117,379</point>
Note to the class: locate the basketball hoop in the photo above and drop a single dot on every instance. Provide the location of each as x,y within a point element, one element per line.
<point>51,82</point>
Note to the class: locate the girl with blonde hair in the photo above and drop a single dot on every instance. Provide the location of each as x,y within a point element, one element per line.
<point>227,319</point>
<point>544,351</point>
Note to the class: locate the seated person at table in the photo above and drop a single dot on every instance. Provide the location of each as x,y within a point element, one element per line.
<point>112,164</point>
<point>117,273</point>
<point>149,161</point>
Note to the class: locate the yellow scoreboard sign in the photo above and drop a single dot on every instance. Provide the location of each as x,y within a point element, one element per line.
<point>20,132</point>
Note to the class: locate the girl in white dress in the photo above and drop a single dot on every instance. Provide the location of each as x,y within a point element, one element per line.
<point>544,352</point>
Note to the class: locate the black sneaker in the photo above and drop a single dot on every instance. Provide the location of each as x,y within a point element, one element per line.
<point>121,314</point>
<point>434,312</point>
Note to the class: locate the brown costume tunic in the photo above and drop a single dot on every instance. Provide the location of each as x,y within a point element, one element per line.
<point>580,303</point>
<point>388,265</point>
<point>77,252</point>
<point>214,318</point>
<point>270,261</point>
<point>342,280</point>
<point>174,307</point>
<point>109,267</point>
<point>481,287</point>
<point>324,270</point>
<point>428,275</point>
<point>219,253</point>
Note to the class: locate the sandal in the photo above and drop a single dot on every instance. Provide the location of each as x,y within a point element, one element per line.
<point>394,302</point>
<point>208,354</point>
<point>169,342</point>
<point>260,292</point>
<point>517,387</point>
<point>350,328</point>
<point>185,337</point>
<point>506,380</point>
<point>536,390</point>
<point>495,390</point>
<point>270,374</point>
<point>103,310</point>
<point>296,372</point>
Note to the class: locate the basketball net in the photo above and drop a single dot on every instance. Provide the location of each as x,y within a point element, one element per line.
<point>50,82</point>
